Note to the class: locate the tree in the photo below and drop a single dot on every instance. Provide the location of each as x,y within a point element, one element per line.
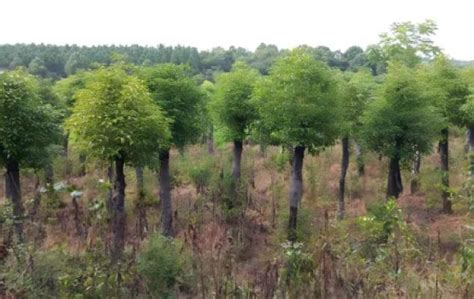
<point>298,104</point>
<point>28,126</point>
<point>65,90</point>
<point>399,122</point>
<point>205,120</point>
<point>409,43</point>
<point>467,110</point>
<point>233,110</point>
<point>115,120</point>
<point>175,92</point>
<point>356,91</point>
<point>444,85</point>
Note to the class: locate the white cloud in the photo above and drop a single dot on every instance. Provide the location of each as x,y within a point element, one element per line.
<point>209,23</point>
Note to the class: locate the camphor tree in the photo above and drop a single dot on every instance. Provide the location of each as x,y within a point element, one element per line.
<point>177,94</point>
<point>467,109</point>
<point>448,91</point>
<point>115,120</point>
<point>28,126</point>
<point>65,90</point>
<point>399,122</point>
<point>233,111</point>
<point>468,114</point>
<point>207,127</point>
<point>298,105</point>
<point>355,91</point>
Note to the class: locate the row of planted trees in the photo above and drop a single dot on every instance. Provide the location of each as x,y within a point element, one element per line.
<point>127,115</point>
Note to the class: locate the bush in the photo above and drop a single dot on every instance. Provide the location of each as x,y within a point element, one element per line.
<point>164,265</point>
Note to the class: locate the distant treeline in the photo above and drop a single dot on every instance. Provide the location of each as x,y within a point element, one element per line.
<point>52,61</point>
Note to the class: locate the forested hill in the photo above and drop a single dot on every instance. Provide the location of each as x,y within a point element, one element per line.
<point>54,61</point>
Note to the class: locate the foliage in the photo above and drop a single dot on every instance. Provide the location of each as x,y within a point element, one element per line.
<point>297,102</point>
<point>445,87</point>
<point>231,108</point>
<point>174,91</point>
<point>28,125</point>
<point>114,116</point>
<point>400,120</point>
<point>164,264</point>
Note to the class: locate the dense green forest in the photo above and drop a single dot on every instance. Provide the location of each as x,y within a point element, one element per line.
<point>168,172</point>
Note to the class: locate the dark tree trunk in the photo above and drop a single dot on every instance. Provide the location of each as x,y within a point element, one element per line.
<point>65,145</point>
<point>142,220</point>
<point>394,183</point>
<point>82,165</point>
<point>444,159</point>
<point>237,159</point>
<point>165,194</point>
<point>359,159</point>
<point>140,181</point>
<point>13,192</point>
<point>296,190</point>
<point>342,178</point>
<point>49,173</point>
<point>470,141</point>
<point>110,176</point>
<point>415,171</point>
<point>210,142</point>
<point>118,204</point>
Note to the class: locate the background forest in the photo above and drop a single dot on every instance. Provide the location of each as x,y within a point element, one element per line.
<point>168,172</point>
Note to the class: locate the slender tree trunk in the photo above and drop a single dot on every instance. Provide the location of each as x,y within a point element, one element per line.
<point>470,142</point>
<point>142,220</point>
<point>394,183</point>
<point>359,159</point>
<point>49,173</point>
<point>140,181</point>
<point>444,159</point>
<point>342,178</point>
<point>13,192</point>
<point>415,171</point>
<point>118,201</point>
<point>165,194</point>
<point>296,191</point>
<point>237,160</point>
<point>210,141</point>
<point>82,165</point>
<point>65,145</point>
<point>110,195</point>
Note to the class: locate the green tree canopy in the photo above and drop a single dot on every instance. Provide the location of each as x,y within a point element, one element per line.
<point>231,107</point>
<point>298,102</point>
<point>179,97</point>
<point>28,125</point>
<point>114,116</point>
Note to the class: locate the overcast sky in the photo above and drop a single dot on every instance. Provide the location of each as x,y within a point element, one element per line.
<point>209,23</point>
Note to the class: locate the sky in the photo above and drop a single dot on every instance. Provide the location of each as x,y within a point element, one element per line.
<point>205,24</point>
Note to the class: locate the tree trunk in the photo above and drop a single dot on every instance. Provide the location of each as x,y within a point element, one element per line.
<point>142,220</point>
<point>49,173</point>
<point>65,145</point>
<point>470,140</point>
<point>237,159</point>
<point>342,178</point>
<point>165,194</point>
<point>210,141</point>
<point>444,159</point>
<point>118,202</point>
<point>394,183</point>
<point>415,171</point>
<point>140,181</point>
<point>110,195</point>
<point>296,191</point>
<point>359,159</point>
<point>13,192</point>
<point>82,165</point>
